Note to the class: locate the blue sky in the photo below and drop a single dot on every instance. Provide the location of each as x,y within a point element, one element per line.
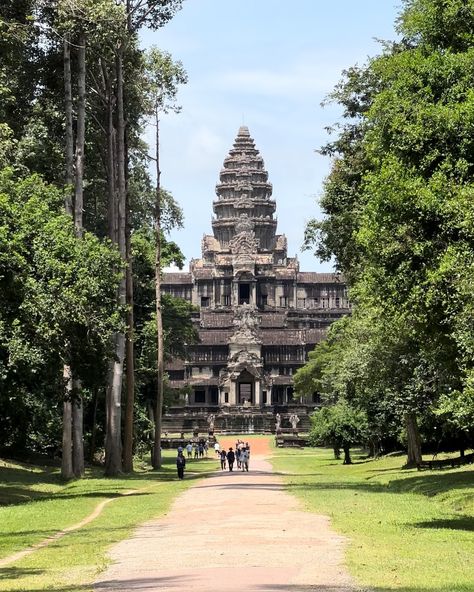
<point>268,64</point>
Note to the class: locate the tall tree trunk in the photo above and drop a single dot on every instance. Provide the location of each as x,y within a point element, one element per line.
<point>347,455</point>
<point>130,364</point>
<point>93,442</point>
<point>156,461</point>
<point>66,456</point>
<point>77,408</point>
<point>69,134</point>
<point>113,443</point>
<point>413,440</point>
<point>112,214</point>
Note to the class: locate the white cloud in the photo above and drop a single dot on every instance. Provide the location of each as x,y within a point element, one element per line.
<point>204,147</point>
<point>306,76</point>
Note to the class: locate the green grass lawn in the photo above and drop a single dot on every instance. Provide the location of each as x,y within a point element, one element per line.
<point>408,531</point>
<point>36,504</point>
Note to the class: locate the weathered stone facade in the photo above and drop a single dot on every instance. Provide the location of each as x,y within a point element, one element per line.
<point>259,315</point>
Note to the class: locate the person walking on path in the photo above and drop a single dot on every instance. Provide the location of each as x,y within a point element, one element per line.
<point>231,459</point>
<point>217,448</point>
<point>189,449</point>
<point>196,450</point>
<point>180,464</point>
<point>237,457</point>
<point>223,457</point>
<point>244,459</point>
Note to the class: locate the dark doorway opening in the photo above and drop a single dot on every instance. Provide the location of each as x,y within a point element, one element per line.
<point>244,293</point>
<point>245,392</point>
<point>199,396</point>
<point>214,395</point>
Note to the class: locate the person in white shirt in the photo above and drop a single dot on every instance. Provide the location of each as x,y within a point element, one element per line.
<point>244,459</point>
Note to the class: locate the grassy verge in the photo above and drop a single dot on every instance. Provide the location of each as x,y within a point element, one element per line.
<point>39,505</point>
<point>408,531</point>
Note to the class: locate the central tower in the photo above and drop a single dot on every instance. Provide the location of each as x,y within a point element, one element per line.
<point>244,201</point>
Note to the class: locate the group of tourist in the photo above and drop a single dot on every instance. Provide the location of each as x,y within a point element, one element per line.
<point>197,449</point>
<point>241,455</point>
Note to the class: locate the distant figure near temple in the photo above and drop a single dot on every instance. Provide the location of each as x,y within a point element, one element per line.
<point>294,420</point>
<point>210,420</point>
<point>277,423</point>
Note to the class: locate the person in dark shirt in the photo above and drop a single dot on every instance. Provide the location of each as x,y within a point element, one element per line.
<point>231,459</point>
<point>180,464</point>
<point>223,457</point>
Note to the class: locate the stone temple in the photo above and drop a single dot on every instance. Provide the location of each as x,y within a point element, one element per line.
<point>259,316</point>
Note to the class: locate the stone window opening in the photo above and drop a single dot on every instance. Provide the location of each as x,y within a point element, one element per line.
<point>205,301</point>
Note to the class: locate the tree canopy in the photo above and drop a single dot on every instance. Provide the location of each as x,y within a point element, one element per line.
<point>399,220</point>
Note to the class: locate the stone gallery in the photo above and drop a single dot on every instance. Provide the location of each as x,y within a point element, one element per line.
<point>259,316</point>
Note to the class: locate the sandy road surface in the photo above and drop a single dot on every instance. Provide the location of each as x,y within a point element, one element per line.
<point>231,532</point>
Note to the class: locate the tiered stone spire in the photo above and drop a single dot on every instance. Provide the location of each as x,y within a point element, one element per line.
<point>244,201</point>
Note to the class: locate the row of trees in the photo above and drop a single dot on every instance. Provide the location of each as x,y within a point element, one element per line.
<point>82,229</point>
<point>400,224</point>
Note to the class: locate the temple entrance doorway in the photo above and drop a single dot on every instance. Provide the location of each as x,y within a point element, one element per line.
<point>245,390</point>
<point>244,293</point>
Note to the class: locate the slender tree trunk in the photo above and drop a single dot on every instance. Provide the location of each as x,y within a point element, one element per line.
<point>93,443</point>
<point>77,431</point>
<point>80,136</point>
<point>129,358</point>
<point>347,455</point>
<point>66,456</point>
<point>156,461</point>
<point>113,445</point>
<point>78,408</point>
<point>112,214</point>
<point>69,135</point>
<point>413,440</point>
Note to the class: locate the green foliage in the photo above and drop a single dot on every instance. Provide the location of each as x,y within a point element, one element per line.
<point>56,290</point>
<point>400,220</point>
<point>339,426</point>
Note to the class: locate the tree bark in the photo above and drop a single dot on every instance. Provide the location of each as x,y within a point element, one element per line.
<point>347,455</point>
<point>77,407</point>
<point>77,431</point>
<point>112,214</point>
<point>80,136</point>
<point>69,137</point>
<point>130,364</point>
<point>113,447</point>
<point>93,442</point>
<point>413,440</point>
<point>66,455</point>
<point>156,460</point>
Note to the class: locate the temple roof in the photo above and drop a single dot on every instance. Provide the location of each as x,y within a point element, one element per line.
<point>177,278</point>
<point>309,277</point>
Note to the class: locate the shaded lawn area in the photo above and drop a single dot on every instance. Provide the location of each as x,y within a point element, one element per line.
<point>408,531</point>
<point>40,504</point>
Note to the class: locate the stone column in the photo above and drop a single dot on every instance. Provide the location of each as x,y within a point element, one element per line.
<point>233,393</point>
<point>258,397</point>
<point>235,293</point>
<point>253,294</point>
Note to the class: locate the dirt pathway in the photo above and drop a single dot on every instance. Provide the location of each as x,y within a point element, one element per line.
<point>232,532</point>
